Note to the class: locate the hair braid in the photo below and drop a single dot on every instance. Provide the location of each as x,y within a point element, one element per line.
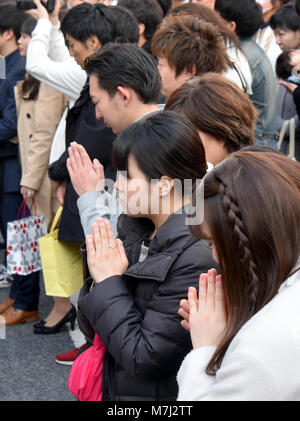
<point>236,222</point>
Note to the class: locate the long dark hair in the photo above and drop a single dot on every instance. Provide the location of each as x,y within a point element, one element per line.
<point>30,86</point>
<point>252,209</point>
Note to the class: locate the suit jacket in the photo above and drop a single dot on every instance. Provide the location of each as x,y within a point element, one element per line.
<point>10,169</point>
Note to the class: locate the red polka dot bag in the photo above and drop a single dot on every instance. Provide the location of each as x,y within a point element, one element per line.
<point>22,253</point>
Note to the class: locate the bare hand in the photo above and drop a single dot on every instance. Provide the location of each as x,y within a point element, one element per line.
<point>208,319</point>
<point>54,16</point>
<point>290,87</point>
<point>85,175</point>
<point>184,312</point>
<point>73,3</point>
<point>106,256</point>
<point>60,193</point>
<point>40,12</point>
<point>27,192</point>
<point>59,188</point>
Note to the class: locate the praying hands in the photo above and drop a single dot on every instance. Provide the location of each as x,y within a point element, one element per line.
<point>85,175</point>
<point>106,254</point>
<point>205,316</point>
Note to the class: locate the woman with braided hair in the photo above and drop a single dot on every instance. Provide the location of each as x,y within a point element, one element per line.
<point>245,322</point>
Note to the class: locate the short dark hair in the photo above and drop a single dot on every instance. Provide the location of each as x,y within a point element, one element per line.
<point>11,18</point>
<point>247,14</point>
<point>28,25</point>
<point>85,20</point>
<point>283,66</point>
<point>286,18</point>
<point>147,12</point>
<point>162,144</point>
<point>125,23</point>
<point>123,64</point>
<point>165,5</point>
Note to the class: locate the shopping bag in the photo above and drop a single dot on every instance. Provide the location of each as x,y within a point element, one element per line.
<point>61,263</point>
<point>22,253</point>
<point>85,379</point>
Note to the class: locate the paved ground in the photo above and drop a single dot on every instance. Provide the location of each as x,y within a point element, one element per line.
<point>28,371</point>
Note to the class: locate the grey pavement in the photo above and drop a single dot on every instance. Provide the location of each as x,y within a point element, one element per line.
<point>28,371</point>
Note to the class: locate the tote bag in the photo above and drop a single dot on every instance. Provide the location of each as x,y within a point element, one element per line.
<point>22,253</point>
<point>61,263</point>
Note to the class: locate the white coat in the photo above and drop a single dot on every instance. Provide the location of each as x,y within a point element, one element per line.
<point>262,363</point>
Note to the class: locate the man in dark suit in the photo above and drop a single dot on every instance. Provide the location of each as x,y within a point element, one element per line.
<point>22,303</point>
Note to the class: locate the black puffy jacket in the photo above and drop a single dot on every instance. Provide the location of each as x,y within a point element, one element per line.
<point>136,314</point>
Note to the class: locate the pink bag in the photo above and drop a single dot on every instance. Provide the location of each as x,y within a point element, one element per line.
<point>85,380</point>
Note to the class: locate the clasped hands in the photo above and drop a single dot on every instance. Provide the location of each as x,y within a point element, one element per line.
<point>106,255</point>
<point>85,175</point>
<point>205,316</point>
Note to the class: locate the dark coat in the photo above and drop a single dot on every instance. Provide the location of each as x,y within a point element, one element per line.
<point>136,314</point>
<point>82,127</point>
<point>10,169</point>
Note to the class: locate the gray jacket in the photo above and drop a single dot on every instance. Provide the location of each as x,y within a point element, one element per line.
<point>96,204</point>
<point>264,92</point>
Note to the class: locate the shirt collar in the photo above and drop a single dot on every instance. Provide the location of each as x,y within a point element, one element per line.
<point>291,280</point>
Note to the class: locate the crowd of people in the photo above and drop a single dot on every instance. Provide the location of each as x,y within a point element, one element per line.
<point>160,128</point>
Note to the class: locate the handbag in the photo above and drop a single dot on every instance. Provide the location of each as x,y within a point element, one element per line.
<point>22,252</point>
<point>85,379</point>
<point>61,263</point>
<point>291,124</point>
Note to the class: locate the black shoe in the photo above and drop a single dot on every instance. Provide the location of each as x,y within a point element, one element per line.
<point>41,322</point>
<point>70,317</point>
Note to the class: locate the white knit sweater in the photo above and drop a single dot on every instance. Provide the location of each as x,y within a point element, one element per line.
<point>262,361</point>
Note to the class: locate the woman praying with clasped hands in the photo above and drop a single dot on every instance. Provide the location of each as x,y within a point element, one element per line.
<point>244,323</point>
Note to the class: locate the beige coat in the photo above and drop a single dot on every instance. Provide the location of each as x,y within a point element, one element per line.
<point>37,123</point>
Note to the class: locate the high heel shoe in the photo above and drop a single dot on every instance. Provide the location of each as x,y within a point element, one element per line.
<point>41,322</point>
<point>70,317</point>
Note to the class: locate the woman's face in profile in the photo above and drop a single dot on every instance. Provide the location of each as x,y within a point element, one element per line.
<point>134,190</point>
<point>207,235</point>
<point>23,42</point>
